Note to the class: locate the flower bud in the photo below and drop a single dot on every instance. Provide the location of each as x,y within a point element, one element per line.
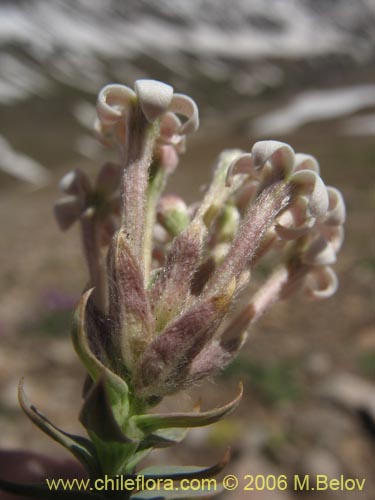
<point>228,223</point>
<point>172,214</point>
<point>319,253</point>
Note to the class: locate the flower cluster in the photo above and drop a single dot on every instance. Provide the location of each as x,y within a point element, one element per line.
<point>173,271</point>
<point>163,276</point>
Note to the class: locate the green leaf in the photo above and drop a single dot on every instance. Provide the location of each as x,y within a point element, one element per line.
<point>80,341</point>
<point>97,414</point>
<point>118,389</point>
<point>79,446</point>
<point>41,491</point>
<point>184,472</point>
<point>152,422</point>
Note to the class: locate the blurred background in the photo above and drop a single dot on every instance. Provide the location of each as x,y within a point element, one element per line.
<point>299,71</point>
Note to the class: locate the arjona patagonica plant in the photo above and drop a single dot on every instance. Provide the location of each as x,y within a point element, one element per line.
<point>157,314</point>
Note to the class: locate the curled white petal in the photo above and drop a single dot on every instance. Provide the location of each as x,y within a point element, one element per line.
<point>185,106</point>
<point>75,183</point>
<point>336,213</point>
<point>104,133</point>
<point>67,211</point>
<point>279,154</point>
<point>305,162</point>
<point>294,222</point>
<point>334,235</point>
<point>321,283</point>
<point>113,102</point>
<point>170,132</point>
<point>241,165</point>
<point>319,253</point>
<point>292,233</point>
<point>169,127</point>
<point>309,183</point>
<point>154,97</point>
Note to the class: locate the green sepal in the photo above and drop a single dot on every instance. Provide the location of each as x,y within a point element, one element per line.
<point>175,222</point>
<point>42,491</point>
<point>115,458</point>
<point>179,472</point>
<point>79,446</point>
<point>152,422</point>
<point>97,415</point>
<point>118,391</point>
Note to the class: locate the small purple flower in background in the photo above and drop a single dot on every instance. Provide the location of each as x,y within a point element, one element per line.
<point>55,300</point>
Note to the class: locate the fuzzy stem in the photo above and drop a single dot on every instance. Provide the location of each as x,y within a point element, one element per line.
<point>266,245</point>
<point>218,192</point>
<point>94,259</point>
<point>155,187</point>
<point>268,294</point>
<point>258,219</point>
<point>136,156</point>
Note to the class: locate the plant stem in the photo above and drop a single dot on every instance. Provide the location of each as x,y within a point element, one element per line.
<point>95,259</point>
<point>136,160</point>
<point>258,219</point>
<point>155,187</point>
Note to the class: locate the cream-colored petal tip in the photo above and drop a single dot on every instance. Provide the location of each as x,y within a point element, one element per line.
<point>74,182</point>
<point>154,97</point>
<point>336,214</point>
<point>291,233</point>
<point>113,101</point>
<point>321,283</point>
<point>183,105</point>
<point>308,182</point>
<point>305,162</point>
<point>68,181</point>
<point>169,126</point>
<point>241,165</point>
<point>280,154</point>
<point>319,253</point>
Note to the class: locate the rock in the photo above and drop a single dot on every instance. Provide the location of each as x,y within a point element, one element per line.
<point>351,392</point>
<point>319,363</point>
<point>320,461</point>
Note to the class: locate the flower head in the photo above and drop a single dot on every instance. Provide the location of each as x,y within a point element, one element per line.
<point>174,271</point>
